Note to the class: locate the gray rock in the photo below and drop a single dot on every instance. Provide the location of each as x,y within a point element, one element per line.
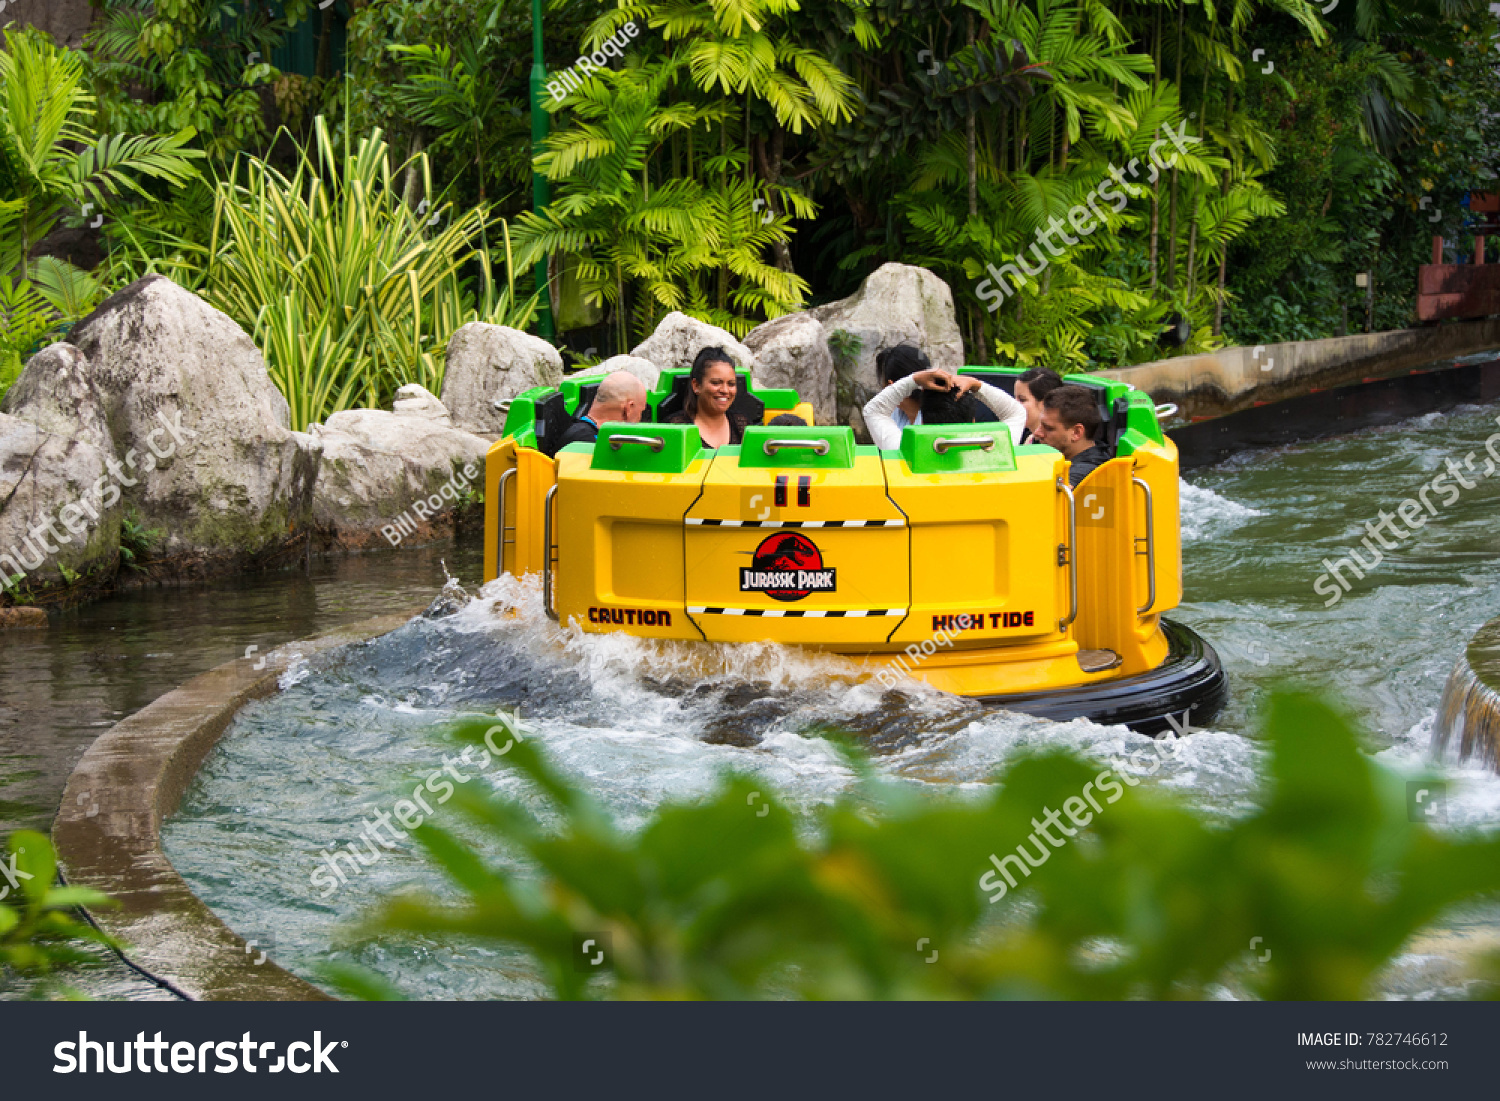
<point>642,369</point>
<point>413,400</point>
<point>378,465</point>
<point>67,21</point>
<point>192,417</point>
<point>792,351</point>
<point>59,507</point>
<point>679,338</point>
<point>490,363</point>
<point>58,394</point>
<point>896,304</point>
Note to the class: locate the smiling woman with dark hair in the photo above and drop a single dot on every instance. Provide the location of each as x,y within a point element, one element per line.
<point>713,386</point>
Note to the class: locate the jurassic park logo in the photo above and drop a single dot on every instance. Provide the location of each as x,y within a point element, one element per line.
<point>787,567</point>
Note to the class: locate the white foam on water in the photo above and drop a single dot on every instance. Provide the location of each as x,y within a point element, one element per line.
<point>1471,794</point>
<point>616,659</point>
<point>633,723</point>
<point>636,723</point>
<point>1205,513</point>
<point>298,669</point>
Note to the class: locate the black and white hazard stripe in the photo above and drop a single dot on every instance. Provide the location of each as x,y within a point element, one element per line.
<point>799,613</point>
<point>796,523</point>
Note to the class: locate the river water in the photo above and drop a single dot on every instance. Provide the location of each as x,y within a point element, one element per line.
<point>641,723</point>
<point>59,688</point>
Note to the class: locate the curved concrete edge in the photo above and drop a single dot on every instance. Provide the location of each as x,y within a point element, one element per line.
<point>1469,714</point>
<point>1216,384</point>
<point>108,830</point>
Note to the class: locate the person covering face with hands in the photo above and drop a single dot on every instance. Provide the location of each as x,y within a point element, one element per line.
<point>906,372</point>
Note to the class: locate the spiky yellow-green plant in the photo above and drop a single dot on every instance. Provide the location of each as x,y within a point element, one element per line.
<point>347,291</point>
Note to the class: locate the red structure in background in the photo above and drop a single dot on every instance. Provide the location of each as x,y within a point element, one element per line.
<point>1463,290</point>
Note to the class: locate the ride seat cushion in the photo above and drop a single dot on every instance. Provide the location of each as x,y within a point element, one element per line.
<point>551,421</point>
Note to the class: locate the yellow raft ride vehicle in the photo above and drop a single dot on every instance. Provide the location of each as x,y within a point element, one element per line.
<point>958,560</point>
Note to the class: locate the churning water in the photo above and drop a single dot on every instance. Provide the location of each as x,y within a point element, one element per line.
<point>640,723</point>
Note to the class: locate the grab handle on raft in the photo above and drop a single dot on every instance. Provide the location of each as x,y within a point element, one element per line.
<point>1067,555</point>
<point>943,443</point>
<point>500,493</point>
<point>547,555</point>
<point>1164,410</point>
<point>655,443</point>
<point>817,447</point>
<point>1150,541</point>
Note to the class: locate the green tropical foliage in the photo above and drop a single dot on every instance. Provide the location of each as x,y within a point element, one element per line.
<point>454,73</point>
<point>39,931</point>
<point>53,161</point>
<point>743,158</point>
<point>884,894</point>
<point>136,540</point>
<point>25,320</point>
<point>458,94</point>
<point>1380,136</point>
<point>349,292</point>
<point>685,153</point>
<point>55,165</point>
<point>682,245</point>
<point>202,65</point>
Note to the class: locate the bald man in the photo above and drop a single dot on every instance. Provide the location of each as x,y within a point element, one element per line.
<point>620,397</point>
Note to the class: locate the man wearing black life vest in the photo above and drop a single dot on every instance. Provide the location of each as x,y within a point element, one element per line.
<point>1070,421</point>
<point>620,397</point>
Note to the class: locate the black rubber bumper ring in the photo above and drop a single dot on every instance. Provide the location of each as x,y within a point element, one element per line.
<point>1190,685</point>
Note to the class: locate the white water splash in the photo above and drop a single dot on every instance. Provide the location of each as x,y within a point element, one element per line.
<point>640,729</point>
<point>298,668</point>
<point>1471,792</point>
<point>1205,513</point>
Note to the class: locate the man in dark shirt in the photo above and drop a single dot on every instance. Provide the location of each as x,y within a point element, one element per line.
<point>620,397</point>
<point>1070,421</point>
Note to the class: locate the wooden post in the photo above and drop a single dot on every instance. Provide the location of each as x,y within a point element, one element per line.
<point>1437,249</point>
<point>1478,250</point>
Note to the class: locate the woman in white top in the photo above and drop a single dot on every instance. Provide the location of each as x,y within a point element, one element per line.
<point>906,370</point>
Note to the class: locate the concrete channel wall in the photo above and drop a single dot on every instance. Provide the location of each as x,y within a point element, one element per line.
<point>108,830</point>
<point>1267,396</point>
<point>1234,379</point>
